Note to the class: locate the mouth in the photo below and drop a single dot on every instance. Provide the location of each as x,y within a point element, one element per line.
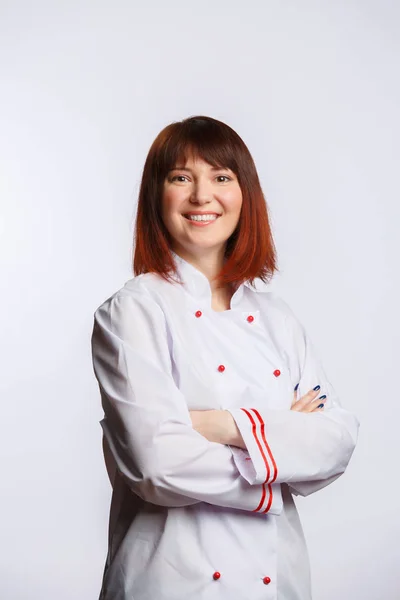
<point>201,218</point>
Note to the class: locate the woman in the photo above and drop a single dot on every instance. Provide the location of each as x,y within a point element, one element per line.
<point>216,406</point>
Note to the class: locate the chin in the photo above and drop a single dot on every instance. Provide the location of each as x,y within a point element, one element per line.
<point>209,246</point>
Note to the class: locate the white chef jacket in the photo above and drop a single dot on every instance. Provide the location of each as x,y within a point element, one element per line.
<point>193,519</point>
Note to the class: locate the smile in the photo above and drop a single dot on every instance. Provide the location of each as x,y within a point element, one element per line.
<point>201,220</point>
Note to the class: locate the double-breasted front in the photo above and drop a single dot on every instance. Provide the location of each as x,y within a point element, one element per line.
<point>192,518</point>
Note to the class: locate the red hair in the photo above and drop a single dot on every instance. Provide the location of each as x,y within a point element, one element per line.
<point>250,250</point>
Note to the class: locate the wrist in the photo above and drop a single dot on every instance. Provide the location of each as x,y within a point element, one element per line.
<point>230,433</point>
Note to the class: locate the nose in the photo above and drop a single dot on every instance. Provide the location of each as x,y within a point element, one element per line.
<point>202,192</point>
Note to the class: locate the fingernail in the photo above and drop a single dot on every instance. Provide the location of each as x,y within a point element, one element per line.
<point>320,406</point>
<point>322,397</point>
<point>296,387</point>
<point>317,387</point>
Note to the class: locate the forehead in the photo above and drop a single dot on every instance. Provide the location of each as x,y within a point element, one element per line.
<point>192,167</point>
<point>195,162</point>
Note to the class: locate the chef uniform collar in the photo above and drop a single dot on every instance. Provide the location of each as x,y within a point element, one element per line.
<point>198,285</point>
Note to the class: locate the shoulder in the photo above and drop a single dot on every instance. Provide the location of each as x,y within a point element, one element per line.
<point>275,305</point>
<point>136,293</point>
<point>280,313</point>
<point>131,317</point>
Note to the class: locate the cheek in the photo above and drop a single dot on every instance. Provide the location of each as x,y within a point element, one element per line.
<point>171,202</point>
<point>168,207</point>
<point>234,203</point>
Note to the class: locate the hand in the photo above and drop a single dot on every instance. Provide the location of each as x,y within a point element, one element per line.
<point>207,423</point>
<point>308,403</point>
<point>217,426</point>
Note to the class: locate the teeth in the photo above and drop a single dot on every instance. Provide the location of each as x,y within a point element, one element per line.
<point>202,217</point>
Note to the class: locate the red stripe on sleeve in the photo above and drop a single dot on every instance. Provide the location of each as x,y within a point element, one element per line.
<point>254,431</point>
<point>270,498</point>
<point>266,444</point>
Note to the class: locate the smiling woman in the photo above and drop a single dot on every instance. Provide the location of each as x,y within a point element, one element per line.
<point>216,407</point>
<point>199,200</point>
<point>202,166</point>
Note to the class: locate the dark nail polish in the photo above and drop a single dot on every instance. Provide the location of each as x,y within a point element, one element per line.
<point>320,406</point>
<point>296,387</point>
<point>317,387</point>
<point>322,397</point>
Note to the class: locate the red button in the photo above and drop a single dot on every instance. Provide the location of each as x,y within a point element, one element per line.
<point>198,313</point>
<point>221,368</point>
<point>277,372</point>
<point>267,580</point>
<point>250,318</point>
<point>216,575</point>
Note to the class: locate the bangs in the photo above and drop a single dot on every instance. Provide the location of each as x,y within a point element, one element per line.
<point>250,250</point>
<point>197,139</point>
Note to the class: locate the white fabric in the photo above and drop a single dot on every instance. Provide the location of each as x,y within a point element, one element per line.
<point>184,508</point>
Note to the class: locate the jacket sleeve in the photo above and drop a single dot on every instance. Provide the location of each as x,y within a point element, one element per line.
<point>306,450</point>
<point>147,423</point>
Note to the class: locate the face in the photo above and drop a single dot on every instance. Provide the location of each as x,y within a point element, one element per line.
<point>201,207</point>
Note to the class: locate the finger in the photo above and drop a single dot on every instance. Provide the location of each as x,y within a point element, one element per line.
<point>321,400</point>
<point>311,405</point>
<point>295,394</point>
<point>310,395</point>
<point>318,404</point>
<point>307,398</point>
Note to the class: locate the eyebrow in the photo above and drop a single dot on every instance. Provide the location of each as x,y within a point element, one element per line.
<point>212,169</point>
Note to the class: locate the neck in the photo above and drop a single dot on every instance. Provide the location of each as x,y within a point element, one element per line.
<point>209,263</point>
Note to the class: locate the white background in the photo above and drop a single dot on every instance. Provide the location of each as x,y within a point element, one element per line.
<point>313,89</point>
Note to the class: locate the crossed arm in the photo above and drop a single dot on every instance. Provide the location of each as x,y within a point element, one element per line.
<point>235,458</point>
<point>219,425</point>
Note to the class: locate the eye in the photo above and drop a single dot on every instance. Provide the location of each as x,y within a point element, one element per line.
<point>183,177</point>
<point>177,176</point>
